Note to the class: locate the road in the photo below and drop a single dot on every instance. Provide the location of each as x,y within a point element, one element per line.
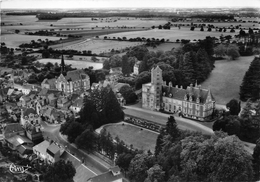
<point>94,164</point>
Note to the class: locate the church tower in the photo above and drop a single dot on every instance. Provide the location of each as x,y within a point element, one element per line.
<point>62,64</point>
<point>157,81</point>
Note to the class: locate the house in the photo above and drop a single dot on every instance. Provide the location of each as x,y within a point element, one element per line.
<point>15,95</point>
<point>136,67</point>
<point>29,115</point>
<point>192,102</point>
<point>116,70</point>
<point>113,175</point>
<point>10,107</point>
<point>24,150</point>
<point>48,83</point>
<point>44,93</point>
<point>25,100</point>
<point>9,93</point>
<point>76,81</point>
<point>63,102</point>
<point>53,153</point>
<point>33,132</point>
<point>13,129</point>
<point>25,89</point>
<point>41,150</point>
<point>53,115</point>
<point>14,142</point>
<point>52,100</point>
<point>77,105</point>
<point>3,94</point>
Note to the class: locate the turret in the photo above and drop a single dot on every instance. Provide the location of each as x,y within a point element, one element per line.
<point>62,64</point>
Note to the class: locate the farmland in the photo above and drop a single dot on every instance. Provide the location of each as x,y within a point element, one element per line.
<point>173,34</point>
<point>99,46</point>
<point>226,78</point>
<point>14,40</point>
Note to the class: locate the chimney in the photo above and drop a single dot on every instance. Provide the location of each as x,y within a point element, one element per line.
<point>170,84</point>
<point>176,86</point>
<point>191,86</point>
<point>181,87</point>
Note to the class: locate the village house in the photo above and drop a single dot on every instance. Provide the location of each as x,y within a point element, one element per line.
<point>53,153</point>
<point>136,67</point>
<point>25,89</point>
<point>77,105</point>
<point>41,150</point>
<point>14,142</point>
<point>3,94</point>
<point>192,102</point>
<point>63,102</point>
<point>52,115</point>
<point>113,175</point>
<point>49,83</point>
<point>29,115</point>
<point>33,132</point>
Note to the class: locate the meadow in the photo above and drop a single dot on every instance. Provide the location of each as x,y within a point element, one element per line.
<point>226,78</point>
<point>131,134</point>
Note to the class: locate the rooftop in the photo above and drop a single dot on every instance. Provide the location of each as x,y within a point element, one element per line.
<point>53,149</point>
<point>42,147</point>
<point>107,176</point>
<point>18,140</point>
<point>11,128</point>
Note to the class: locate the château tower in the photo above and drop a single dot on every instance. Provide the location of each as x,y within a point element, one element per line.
<point>157,81</point>
<point>62,64</point>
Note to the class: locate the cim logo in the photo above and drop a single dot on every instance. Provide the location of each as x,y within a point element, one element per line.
<point>18,169</point>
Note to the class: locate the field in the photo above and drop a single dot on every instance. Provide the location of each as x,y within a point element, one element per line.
<point>14,40</point>
<point>79,64</point>
<point>99,46</point>
<point>130,134</point>
<point>226,78</point>
<point>173,34</point>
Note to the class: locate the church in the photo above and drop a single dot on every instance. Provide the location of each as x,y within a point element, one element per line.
<point>193,102</point>
<point>76,81</point>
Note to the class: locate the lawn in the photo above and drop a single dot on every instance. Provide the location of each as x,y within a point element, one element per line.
<point>226,78</point>
<point>99,46</point>
<point>130,134</point>
<point>14,40</point>
<point>173,34</point>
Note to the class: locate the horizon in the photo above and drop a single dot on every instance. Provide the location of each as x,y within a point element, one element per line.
<point>142,4</point>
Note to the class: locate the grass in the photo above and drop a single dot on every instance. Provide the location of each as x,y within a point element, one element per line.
<point>226,78</point>
<point>130,134</point>
<point>14,40</point>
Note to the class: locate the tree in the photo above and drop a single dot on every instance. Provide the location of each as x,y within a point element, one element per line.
<point>86,140</point>
<point>24,60</point>
<point>220,50</point>
<point>17,31</point>
<point>73,131</point>
<point>128,94</point>
<point>155,174</point>
<point>171,128</point>
<point>106,65</point>
<point>230,124</point>
<point>250,87</point>
<point>123,160</point>
<point>232,51</point>
<point>126,69</point>
<point>142,78</point>
<point>256,160</point>
<point>203,67</point>
<point>188,67</point>
<point>234,107</point>
<point>159,142</point>
<point>138,167</point>
<point>60,171</point>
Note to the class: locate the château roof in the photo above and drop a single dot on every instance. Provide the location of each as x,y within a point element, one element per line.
<point>190,91</point>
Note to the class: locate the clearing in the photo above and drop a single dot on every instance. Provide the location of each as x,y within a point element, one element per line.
<point>130,134</point>
<point>226,78</point>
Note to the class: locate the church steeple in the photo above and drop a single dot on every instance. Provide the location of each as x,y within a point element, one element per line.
<point>62,64</point>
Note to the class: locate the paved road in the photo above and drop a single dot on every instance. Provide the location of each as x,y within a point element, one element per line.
<point>52,132</point>
<point>161,118</point>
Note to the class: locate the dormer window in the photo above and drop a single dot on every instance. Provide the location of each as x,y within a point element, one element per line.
<point>190,98</point>
<point>170,95</point>
<point>185,97</point>
<point>198,100</point>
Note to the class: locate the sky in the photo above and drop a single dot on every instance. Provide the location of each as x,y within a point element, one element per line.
<point>70,4</point>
